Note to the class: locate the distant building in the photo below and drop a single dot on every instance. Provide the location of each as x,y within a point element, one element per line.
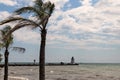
<point>72,60</point>
<point>34,61</point>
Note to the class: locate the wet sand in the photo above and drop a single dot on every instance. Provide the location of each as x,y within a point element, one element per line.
<point>81,72</point>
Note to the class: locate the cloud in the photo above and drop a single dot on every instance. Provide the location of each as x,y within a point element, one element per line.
<point>8,2</point>
<point>84,27</point>
<point>86,2</point>
<point>108,3</point>
<point>26,35</point>
<point>4,14</point>
<point>25,2</point>
<point>59,3</point>
<point>97,24</point>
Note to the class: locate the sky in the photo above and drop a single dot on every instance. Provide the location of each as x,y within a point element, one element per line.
<point>89,30</point>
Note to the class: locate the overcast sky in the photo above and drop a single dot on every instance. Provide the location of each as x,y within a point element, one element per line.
<point>89,30</point>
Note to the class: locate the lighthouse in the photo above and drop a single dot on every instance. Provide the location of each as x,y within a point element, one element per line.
<point>72,60</point>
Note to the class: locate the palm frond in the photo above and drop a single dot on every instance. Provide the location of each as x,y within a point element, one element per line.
<point>24,10</point>
<point>2,45</point>
<point>10,19</point>
<point>20,25</point>
<point>52,7</point>
<point>48,7</point>
<point>19,49</point>
<point>38,4</point>
<point>29,10</point>
<point>7,42</point>
<point>7,28</point>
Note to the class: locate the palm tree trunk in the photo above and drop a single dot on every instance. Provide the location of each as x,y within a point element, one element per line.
<point>6,65</point>
<point>42,55</point>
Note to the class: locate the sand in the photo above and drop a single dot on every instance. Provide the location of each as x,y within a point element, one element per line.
<point>81,72</point>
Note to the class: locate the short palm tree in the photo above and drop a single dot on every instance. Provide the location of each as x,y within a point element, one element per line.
<point>6,45</point>
<point>41,12</point>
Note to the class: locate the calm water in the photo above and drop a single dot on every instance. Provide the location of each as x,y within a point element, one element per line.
<point>84,71</point>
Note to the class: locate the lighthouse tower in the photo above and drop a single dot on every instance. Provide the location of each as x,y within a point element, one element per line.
<point>72,60</point>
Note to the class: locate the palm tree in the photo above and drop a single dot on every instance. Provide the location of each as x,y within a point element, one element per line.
<point>42,12</point>
<point>6,44</point>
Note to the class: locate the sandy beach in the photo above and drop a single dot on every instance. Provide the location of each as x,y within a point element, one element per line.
<point>81,72</point>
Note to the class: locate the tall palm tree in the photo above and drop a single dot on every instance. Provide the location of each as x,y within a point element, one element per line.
<point>42,12</point>
<point>6,45</point>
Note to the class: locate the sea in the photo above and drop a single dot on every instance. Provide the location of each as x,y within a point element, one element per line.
<point>83,71</point>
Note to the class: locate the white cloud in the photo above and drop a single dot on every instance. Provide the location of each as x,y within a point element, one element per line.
<point>101,20</point>
<point>4,14</point>
<point>9,2</point>
<point>108,3</point>
<point>86,2</point>
<point>59,3</point>
<point>81,26</point>
<point>25,2</point>
<point>26,35</point>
